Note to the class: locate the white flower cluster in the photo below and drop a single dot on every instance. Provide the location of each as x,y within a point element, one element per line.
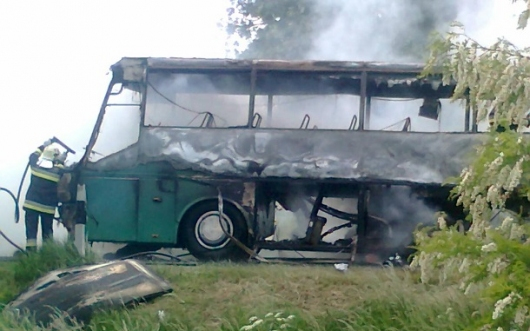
<point>471,288</point>
<point>442,223</point>
<point>479,213</point>
<point>464,266</point>
<point>255,322</point>
<point>491,247</point>
<point>425,262</point>
<point>521,316</point>
<point>465,175</point>
<point>501,304</point>
<point>448,268</point>
<point>497,266</point>
<point>493,196</point>
<point>479,227</point>
<point>461,188</point>
<point>507,223</point>
<point>273,320</point>
<point>515,176</point>
<point>511,229</point>
<point>493,167</point>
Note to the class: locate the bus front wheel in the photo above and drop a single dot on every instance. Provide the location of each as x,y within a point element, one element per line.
<point>206,237</point>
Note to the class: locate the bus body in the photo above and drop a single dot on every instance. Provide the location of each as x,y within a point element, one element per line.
<point>184,135</point>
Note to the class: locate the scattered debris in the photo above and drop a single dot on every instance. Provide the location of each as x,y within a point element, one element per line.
<point>341,267</point>
<point>79,292</point>
<point>394,261</point>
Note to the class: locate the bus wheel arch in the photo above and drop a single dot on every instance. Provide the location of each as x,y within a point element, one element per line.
<point>201,234</point>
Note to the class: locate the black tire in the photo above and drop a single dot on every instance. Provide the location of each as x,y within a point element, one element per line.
<point>219,247</point>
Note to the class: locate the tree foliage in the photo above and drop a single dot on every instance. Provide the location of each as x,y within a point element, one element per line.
<point>299,29</point>
<point>277,29</point>
<point>492,260</point>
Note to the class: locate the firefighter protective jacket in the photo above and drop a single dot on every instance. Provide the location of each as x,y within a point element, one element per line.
<point>42,191</point>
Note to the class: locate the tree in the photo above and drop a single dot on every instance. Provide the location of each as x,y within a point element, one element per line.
<point>492,260</point>
<point>337,30</point>
<point>276,29</point>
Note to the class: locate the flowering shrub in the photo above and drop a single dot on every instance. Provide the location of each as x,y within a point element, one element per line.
<point>495,267</point>
<point>491,260</point>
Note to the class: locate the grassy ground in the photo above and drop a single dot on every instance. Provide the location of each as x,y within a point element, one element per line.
<point>231,297</point>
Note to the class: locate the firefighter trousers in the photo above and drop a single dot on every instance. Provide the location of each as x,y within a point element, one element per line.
<point>32,227</point>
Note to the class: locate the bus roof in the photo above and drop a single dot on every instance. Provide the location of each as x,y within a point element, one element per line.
<point>383,79</point>
<point>174,63</point>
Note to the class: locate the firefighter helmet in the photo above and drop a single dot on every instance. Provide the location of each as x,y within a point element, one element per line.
<point>48,156</point>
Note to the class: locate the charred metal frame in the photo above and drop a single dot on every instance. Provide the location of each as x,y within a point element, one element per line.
<point>467,115</point>
<point>253,68</point>
<point>269,110</point>
<point>313,241</point>
<point>474,127</point>
<point>362,212</point>
<point>97,126</point>
<point>252,99</point>
<point>368,112</point>
<point>362,101</point>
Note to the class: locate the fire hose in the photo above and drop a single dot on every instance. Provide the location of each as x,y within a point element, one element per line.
<point>17,216</point>
<point>17,198</point>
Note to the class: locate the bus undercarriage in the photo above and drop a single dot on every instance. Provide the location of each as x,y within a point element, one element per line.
<point>379,218</point>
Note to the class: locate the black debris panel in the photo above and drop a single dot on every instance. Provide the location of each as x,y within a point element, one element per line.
<point>79,292</point>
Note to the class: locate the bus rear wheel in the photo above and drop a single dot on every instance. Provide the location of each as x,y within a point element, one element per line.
<point>204,237</point>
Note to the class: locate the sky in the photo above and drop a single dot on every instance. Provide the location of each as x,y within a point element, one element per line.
<point>56,57</point>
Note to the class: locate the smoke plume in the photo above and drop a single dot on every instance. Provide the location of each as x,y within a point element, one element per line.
<point>379,30</point>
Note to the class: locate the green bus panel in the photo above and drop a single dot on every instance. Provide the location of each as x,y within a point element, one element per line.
<point>190,193</point>
<point>156,211</point>
<point>112,209</point>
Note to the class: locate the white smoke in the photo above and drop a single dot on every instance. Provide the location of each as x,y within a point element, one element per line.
<point>380,30</point>
<point>372,31</point>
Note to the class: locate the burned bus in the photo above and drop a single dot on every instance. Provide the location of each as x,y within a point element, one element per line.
<point>198,153</point>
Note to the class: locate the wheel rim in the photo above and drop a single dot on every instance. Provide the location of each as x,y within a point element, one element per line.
<point>209,233</point>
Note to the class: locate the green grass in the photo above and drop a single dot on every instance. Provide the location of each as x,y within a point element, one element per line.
<point>224,296</point>
<point>16,276</point>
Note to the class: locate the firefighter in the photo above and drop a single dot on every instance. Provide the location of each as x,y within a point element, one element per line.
<point>47,165</point>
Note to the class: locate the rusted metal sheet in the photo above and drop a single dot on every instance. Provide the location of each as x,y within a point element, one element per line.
<point>81,291</point>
